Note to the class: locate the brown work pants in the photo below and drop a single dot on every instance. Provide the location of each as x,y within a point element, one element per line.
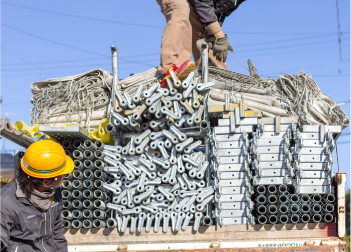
<point>180,35</point>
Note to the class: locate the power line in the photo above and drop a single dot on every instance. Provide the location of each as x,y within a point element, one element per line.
<point>68,46</point>
<point>143,25</point>
<point>339,33</point>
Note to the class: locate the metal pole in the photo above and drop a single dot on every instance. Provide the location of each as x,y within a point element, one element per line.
<point>204,63</point>
<point>114,52</point>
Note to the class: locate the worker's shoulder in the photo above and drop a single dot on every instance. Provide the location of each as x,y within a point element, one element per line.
<point>8,193</point>
<point>8,190</point>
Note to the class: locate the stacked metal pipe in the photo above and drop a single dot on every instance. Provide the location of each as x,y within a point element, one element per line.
<point>231,167</point>
<point>84,198</point>
<point>270,150</point>
<point>278,204</point>
<point>313,158</point>
<point>159,175</point>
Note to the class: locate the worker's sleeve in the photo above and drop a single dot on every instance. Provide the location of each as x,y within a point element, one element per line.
<point>59,239</point>
<point>5,227</point>
<point>207,16</point>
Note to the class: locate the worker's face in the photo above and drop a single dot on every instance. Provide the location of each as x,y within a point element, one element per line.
<point>58,181</point>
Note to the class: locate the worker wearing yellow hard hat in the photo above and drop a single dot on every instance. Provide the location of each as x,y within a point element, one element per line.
<point>31,204</point>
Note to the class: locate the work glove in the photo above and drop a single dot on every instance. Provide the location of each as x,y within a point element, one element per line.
<point>220,48</point>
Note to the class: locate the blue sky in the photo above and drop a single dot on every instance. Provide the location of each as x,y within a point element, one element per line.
<point>46,39</point>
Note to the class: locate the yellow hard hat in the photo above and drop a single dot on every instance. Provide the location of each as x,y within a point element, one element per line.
<point>46,159</point>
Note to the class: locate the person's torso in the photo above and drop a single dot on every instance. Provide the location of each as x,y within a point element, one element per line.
<point>32,228</point>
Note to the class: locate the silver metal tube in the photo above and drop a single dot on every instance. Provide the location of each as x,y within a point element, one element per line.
<point>77,184</point>
<point>78,145</point>
<point>77,174</point>
<point>77,204</point>
<point>261,209</point>
<point>66,194</point>
<point>77,214</point>
<point>294,208</point>
<point>111,129</point>
<point>111,223</point>
<point>261,199</point>
<point>316,208</point>
<point>66,204</point>
<point>99,164</point>
<point>261,189</point>
<point>305,208</point>
<point>295,218</point>
<point>98,174</point>
<point>283,209</point>
<point>283,189</point>
<point>89,155</point>
<point>99,214</point>
<point>284,219</point>
<point>272,209</point>
<point>149,219</point>
<point>330,198</point>
<point>99,204</point>
<point>99,224</point>
<point>283,199</point>
<point>198,218</point>
<point>88,184</point>
<point>87,214</point>
<point>88,204</point>
<point>136,97</point>
<point>99,145</point>
<point>317,198</point>
<point>78,165</point>
<point>133,223</point>
<point>317,218</point>
<point>122,102</point>
<point>262,219</point>
<point>98,183</point>
<point>100,195</point>
<point>77,194</point>
<point>273,219</point>
<point>88,164</point>
<point>141,221</point>
<point>66,184</point>
<point>88,174</point>
<point>305,198</point>
<point>67,224</point>
<point>87,224</point>
<point>76,224</point>
<point>88,194</point>
<point>78,155</point>
<point>294,198</point>
<point>329,208</point>
<point>66,144</point>
<point>158,218</point>
<point>89,145</point>
<point>272,189</point>
<point>305,218</point>
<point>67,215</point>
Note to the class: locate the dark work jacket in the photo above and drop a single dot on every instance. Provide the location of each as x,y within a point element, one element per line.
<point>210,11</point>
<point>24,227</point>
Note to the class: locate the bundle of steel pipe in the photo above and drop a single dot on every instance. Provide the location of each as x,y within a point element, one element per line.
<point>82,191</point>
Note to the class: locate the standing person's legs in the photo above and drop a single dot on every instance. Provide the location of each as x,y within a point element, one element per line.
<point>198,30</point>
<point>176,38</point>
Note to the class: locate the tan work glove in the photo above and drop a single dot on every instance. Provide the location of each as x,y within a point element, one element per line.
<point>220,48</point>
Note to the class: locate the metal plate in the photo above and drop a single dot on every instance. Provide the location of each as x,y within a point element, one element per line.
<point>316,128</point>
<point>283,120</point>
<point>272,157</point>
<point>308,136</point>
<point>233,205</point>
<point>309,150</point>
<point>271,165</point>
<point>231,145</point>
<point>312,182</point>
<point>232,167</point>
<point>314,189</point>
<point>226,129</point>
<point>269,141</point>
<point>312,166</point>
<point>232,182</point>
<point>232,175</point>
<point>271,128</point>
<point>230,137</point>
<point>14,135</point>
<point>232,213</point>
<point>314,174</point>
<point>243,121</point>
<point>273,173</point>
<point>313,158</point>
<point>269,149</point>
<point>271,180</point>
<point>234,221</point>
<point>233,190</point>
<point>232,198</point>
<point>230,152</point>
<point>313,143</point>
<point>232,160</point>
<point>271,135</point>
<point>71,132</point>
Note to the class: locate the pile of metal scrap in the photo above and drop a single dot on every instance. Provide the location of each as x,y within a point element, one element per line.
<point>288,95</point>
<point>82,99</point>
